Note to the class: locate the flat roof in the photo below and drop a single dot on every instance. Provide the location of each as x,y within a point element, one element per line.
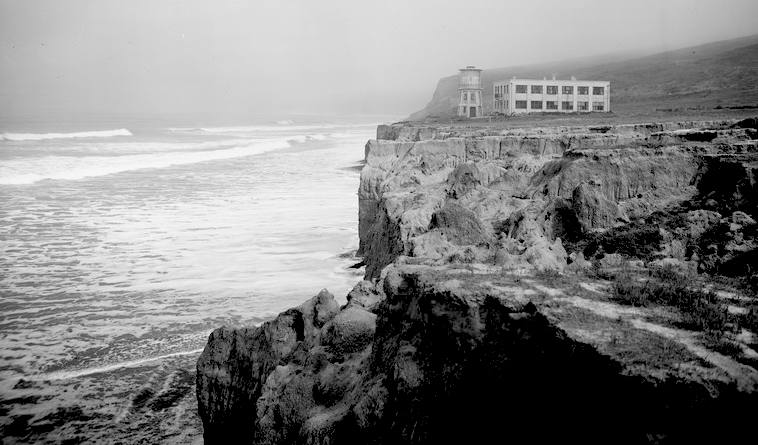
<point>550,80</point>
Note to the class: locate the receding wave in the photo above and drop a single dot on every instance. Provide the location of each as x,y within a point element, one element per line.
<point>80,134</point>
<point>31,170</point>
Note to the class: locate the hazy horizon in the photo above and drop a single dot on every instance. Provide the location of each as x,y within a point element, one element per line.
<point>273,57</point>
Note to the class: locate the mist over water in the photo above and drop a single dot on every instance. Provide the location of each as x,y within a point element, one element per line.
<point>120,249</point>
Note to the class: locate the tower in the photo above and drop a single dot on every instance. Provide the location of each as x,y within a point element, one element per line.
<point>470,92</point>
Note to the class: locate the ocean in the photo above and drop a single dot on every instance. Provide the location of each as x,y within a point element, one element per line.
<point>124,244</point>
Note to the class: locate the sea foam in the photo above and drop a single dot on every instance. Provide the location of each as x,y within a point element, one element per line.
<point>30,170</point>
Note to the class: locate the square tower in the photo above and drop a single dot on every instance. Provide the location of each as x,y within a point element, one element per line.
<point>470,92</point>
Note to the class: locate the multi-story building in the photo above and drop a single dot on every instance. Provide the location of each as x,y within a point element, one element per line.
<point>470,92</point>
<point>551,96</point>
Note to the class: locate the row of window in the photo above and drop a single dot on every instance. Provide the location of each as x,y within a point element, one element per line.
<point>553,89</point>
<point>553,105</point>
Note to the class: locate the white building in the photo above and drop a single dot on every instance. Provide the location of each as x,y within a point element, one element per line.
<point>470,92</point>
<point>551,96</point>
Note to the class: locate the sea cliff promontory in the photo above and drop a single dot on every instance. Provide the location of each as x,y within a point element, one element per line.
<point>574,283</point>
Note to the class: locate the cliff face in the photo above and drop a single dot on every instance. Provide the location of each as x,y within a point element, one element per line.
<point>466,329</point>
<point>538,187</point>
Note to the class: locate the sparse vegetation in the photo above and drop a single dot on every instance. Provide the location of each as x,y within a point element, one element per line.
<point>548,276</point>
<point>700,310</point>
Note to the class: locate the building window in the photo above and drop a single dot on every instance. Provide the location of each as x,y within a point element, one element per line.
<point>566,105</point>
<point>536,89</point>
<point>598,106</point>
<point>582,106</point>
<point>568,90</point>
<point>552,89</point>
<point>583,90</point>
<point>521,104</point>
<point>551,105</point>
<point>536,105</point>
<point>521,89</point>
<point>465,97</point>
<point>598,91</point>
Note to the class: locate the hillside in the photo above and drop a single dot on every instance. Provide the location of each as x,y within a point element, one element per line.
<point>716,74</point>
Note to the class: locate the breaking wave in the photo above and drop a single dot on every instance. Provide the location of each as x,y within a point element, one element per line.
<point>30,170</point>
<point>80,134</point>
<point>256,129</point>
<point>65,375</point>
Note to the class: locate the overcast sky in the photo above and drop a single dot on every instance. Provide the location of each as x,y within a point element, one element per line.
<point>277,56</point>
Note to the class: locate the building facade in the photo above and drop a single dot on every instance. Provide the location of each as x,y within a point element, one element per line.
<point>517,96</point>
<point>470,92</point>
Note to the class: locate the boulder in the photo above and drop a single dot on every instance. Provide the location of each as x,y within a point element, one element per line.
<point>351,330</point>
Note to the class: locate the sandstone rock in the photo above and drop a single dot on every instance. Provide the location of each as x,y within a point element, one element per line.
<point>463,180</point>
<point>349,331</point>
<point>235,364</point>
<point>592,208</point>
<point>578,262</point>
<point>449,346</point>
<point>365,294</point>
<point>459,225</point>
<point>433,245</point>
<point>742,219</point>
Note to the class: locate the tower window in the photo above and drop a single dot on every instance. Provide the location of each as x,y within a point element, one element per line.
<point>568,90</point>
<point>521,89</point>
<point>566,105</point>
<point>582,106</point>
<point>552,89</point>
<point>536,89</point>
<point>551,105</point>
<point>598,91</point>
<point>598,106</point>
<point>583,90</point>
<point>536,105</point>
<point>521,104</point>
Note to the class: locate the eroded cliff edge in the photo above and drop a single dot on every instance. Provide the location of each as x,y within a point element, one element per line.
<point>492,305</point>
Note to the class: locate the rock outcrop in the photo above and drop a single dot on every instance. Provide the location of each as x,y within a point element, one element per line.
<point>451,356</point>
<point>530,190</point>
<point>486,315</point>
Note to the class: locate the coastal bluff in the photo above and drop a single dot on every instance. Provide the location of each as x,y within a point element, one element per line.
<point>588,284</point>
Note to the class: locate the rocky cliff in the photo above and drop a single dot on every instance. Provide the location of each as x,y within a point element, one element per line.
<point>521,285</point>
